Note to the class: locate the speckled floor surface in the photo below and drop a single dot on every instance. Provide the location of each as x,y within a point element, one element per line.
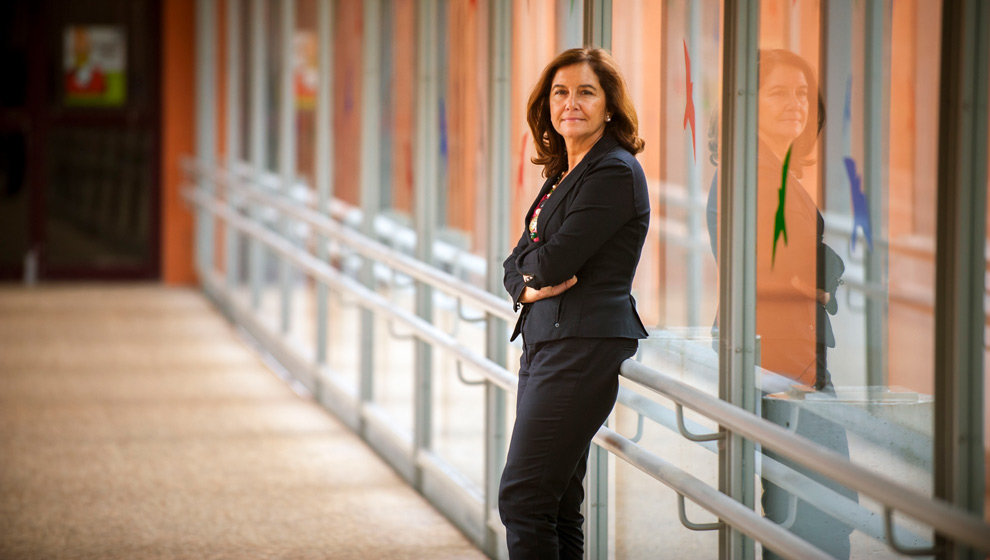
<point>135,424</point>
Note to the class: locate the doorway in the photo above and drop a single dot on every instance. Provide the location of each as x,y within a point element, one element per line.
<point>79,139</point>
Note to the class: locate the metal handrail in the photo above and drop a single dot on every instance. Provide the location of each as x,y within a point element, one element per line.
<point>727,509</point>
<point>370,248</point>
<point>938,514</point>
<point>349,215</point>
<point>366,297</point>
<point>745,519</point>
<point>796,483</point>
<point>941,516</point>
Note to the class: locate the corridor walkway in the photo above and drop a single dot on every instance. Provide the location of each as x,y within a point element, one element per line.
<point>134,423</point>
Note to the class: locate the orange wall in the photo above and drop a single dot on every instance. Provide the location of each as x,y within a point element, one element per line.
<point>178,135</point>
<point>403,104</point>
<point>348,68</point>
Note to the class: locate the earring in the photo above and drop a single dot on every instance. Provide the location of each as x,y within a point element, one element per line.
<point>608,118</point>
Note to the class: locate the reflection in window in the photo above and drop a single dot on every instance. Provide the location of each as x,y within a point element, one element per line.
<point>670,56</point>
<point>347,71</point>
<point>533,46</point>
<point>845,252</point>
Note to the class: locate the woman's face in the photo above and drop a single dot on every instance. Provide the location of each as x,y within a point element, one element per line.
<point>577,104</point>
<point>783,105</point>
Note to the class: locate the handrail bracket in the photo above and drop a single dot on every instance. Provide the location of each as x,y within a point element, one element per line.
<point>888,529</point>
<point>692,525</point>
<point>692,436</point>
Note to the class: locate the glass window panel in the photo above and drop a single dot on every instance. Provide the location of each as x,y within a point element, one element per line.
<point>271,261</point>
<point>790,284</point>
<point>344,314</point>
<point>533,47</point>
<point>273,81</point>
<point>347,70</point>
<point>244,79</point>
<point>223,142</point>
<point>646,523</point>
<point>670,54</point>
<point>845,252</point>
<point>305,86</point>
<point>462,216</point>
<point>401,106</point>
<point>241,146</point>
<point>344,338</point>
<point>395,355</point>
<point>343,330</point>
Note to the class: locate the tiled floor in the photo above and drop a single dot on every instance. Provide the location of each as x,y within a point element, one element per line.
<point>135,424</point>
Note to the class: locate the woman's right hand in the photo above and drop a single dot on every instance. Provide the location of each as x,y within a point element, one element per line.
<point>530,295</point>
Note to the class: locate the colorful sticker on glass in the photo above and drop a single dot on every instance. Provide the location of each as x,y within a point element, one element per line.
<point>305,75</point>
<point>95,66</point>
<point>689,107</point>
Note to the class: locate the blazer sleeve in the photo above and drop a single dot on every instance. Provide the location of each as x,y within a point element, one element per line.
<point>602,204</point>
<point>512,279</point>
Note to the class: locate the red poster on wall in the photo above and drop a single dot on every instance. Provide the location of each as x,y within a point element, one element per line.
<point>95,65</point>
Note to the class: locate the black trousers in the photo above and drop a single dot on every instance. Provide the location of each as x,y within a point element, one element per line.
<point>566,391</point>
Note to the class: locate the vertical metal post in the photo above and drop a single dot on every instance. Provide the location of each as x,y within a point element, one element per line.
<point>596,505</point>
<point>496,334</point>
<point>259,102</point>
<point>427,156</point>
<point>961,260</point>
<point>287,147</point>
<point>835,65</point>
<point>324,160</point>
<point>570,25</point>
<point>370,179</point>
<point>875,116</point>
<point>695,210</point>
<point>206,130</point>
<point>597,33</point>
<point>232,236</point>
<point>737,252</point>
<point>598,23</point>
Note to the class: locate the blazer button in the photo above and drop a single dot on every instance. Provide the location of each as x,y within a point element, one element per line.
<point>556,324</point>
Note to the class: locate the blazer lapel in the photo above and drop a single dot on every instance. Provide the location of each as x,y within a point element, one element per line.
<point>602,147</point>
<point>543,190</point>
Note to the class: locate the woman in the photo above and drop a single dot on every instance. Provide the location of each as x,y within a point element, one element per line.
<point>571,273</point>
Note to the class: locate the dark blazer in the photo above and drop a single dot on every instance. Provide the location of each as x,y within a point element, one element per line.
<point>593,227</point>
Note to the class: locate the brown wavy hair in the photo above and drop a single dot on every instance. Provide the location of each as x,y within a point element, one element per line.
<point>624,126</point>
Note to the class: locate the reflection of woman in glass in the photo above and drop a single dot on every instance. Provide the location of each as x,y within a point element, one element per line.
<point>796,278</point>
<point>571,273</point>
<point>790,281</point>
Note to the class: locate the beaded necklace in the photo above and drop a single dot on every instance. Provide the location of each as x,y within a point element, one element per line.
<point>539,207</point>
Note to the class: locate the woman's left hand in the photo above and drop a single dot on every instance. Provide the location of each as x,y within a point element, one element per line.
<point>530,295</point>
<point>823,297</point>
